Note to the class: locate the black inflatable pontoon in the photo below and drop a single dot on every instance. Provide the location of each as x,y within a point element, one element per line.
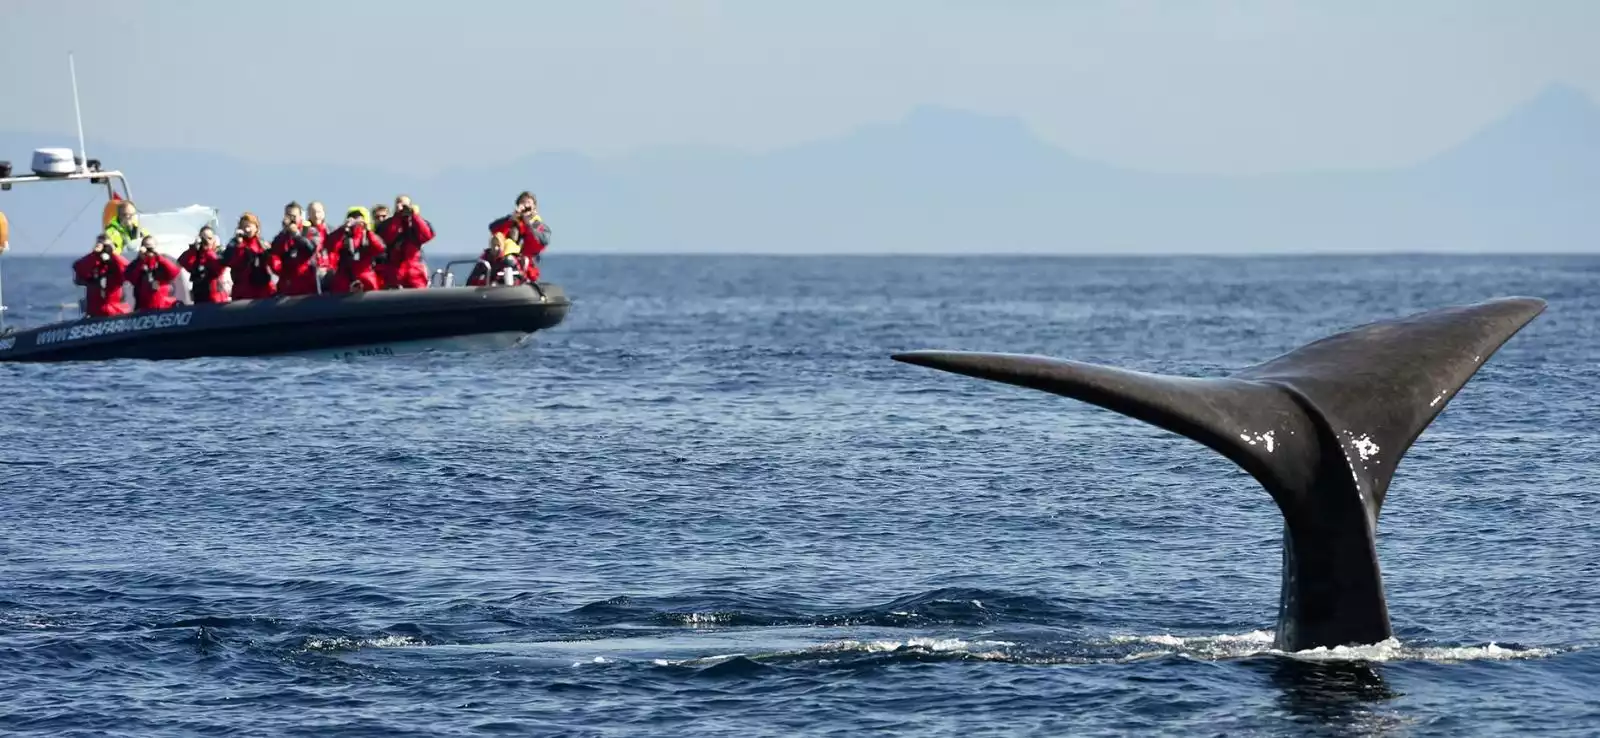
<point>378,323</point>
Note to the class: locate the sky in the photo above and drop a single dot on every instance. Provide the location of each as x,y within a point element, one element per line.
<point>1223,87</point>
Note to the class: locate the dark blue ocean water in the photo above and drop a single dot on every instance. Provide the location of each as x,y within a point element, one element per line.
<point>709,504</point>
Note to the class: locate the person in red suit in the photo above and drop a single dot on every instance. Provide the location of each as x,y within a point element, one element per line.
<point>296,254</point>
<point>500,256</point>
<point>317,230</point>
<point>151,275</point>
<point>526,228</point>
<point>251,262</point>
<point>404,234</point>
<point>101,273</point>
<point>352,249</point>
<point>205,267</point>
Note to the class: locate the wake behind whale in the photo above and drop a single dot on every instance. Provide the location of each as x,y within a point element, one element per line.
<point>1322,428</point>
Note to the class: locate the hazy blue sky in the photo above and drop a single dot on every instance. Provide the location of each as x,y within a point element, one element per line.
<point>1175,86</point>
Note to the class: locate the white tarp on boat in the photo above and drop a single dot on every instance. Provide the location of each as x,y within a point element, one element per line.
<point>175,229</point>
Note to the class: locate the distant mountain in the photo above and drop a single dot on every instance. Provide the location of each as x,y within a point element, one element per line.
<point>938,180</point>
<point>1548,149</point>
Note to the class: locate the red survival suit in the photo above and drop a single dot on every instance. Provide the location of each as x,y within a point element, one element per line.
<point>318,233</point>
<point>251,264</point>
<point>102,276</point>
<point>492,261</point>
<point>297,263</point>
<point>205,274</point>
<point>533,236</point>
<point>404,234</point>
<point>151,275</point>
<point>352,250</point>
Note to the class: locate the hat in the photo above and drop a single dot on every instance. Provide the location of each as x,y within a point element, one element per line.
<point>506,246</point>
<point>366,217</point>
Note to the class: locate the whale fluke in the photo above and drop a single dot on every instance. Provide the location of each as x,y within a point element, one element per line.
<point>1322,428</point>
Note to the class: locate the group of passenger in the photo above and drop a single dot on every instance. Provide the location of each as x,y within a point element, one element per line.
<point>371,250</point>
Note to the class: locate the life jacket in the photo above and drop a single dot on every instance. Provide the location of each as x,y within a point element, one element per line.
<point>256,262</point>
<point>514,233</point>
<point>101,273</point>
<point>495,264</point>
<point>150,290</point>
<point>350,251</point>
<point>121,235</point>
<point>148,271</point>
<point>294,249</point>
<point>318,235</point>
<point>205,272</point>
<point>201,275</point>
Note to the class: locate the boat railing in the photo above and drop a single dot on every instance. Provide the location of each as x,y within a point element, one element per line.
<point>445,275</point>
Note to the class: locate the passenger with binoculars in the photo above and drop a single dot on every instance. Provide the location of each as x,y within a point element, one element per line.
<point>298,256</point>
<point>527,229</point>
<point>251,263</point>
<point>151,275</point>
<point>205,267</point>
<point>102,273</point>
<point>353,250</point>
<point>404,233</point>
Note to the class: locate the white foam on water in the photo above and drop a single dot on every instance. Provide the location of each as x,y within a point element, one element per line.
<point>830,651</point>
<point>1259,642</point>
<point>763,647</point>
<point>346,643</point>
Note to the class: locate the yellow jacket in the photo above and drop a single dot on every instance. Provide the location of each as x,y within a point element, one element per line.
<point>120,235</point>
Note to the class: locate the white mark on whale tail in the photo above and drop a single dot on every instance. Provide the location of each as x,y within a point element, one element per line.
<point>1262,438</point>
<point>1366,447</point>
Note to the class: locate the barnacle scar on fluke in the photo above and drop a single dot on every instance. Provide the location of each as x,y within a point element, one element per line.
<point>1322,428</point>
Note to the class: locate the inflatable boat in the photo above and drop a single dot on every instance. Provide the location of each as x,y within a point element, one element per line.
<point>362,324</point>
<point>442,317</point>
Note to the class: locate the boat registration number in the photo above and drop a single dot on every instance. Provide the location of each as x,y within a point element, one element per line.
<point>367,352</point>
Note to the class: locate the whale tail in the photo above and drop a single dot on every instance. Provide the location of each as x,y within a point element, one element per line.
<point>1322,428</point>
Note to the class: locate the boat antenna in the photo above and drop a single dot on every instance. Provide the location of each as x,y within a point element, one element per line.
<point>83,151</point>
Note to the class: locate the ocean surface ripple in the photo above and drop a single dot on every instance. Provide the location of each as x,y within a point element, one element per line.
<point>709,504</point>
